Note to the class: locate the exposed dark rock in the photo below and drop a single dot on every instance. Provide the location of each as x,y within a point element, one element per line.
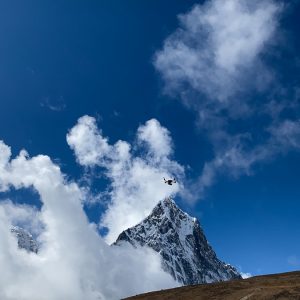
<point>180,241</point>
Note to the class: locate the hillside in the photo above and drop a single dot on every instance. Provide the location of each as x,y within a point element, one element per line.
<point>277,286</point>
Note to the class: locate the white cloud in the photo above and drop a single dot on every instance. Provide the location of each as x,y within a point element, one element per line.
<point>287,134</point>
<point>87,142</point>
<point>5,154</point>
<point>246,275</point>
<point>73,261</point>
<point>157,138</point>
<point>23,215</point>
<point>217,46</point>
<point>136,172</point>
<point>215,64</point>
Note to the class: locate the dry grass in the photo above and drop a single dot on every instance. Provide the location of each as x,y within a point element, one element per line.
<point>278,286</point>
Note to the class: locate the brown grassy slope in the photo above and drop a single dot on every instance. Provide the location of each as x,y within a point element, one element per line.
<point>277,286</point>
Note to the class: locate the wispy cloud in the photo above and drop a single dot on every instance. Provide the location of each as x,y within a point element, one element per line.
<point>135,170</point>
<point>54,104</point>
<point>217,48</point>
<point>215,63</point>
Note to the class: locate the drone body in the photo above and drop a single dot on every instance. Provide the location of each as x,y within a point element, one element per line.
<point>170,181</point>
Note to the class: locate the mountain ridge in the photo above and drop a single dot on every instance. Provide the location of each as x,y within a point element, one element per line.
<point>180,240</point>
<point>25,239</point>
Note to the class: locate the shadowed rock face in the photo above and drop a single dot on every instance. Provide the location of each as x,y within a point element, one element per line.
<point>180,241</point>
<point>25,239</point>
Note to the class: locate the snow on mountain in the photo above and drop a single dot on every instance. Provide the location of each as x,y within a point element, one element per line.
<point>176,236</point>
<point>180,241</point>
<point>25,239</point>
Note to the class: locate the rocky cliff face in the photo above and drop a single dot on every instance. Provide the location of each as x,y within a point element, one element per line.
<point>180,241</point>
<point>25,239</point>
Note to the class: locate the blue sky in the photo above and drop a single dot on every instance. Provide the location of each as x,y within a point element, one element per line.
<point>119,62</point>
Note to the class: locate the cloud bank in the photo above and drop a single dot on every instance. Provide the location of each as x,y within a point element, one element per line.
<point>216,64</point>
<point>135,171</point>
<point>73,261</point>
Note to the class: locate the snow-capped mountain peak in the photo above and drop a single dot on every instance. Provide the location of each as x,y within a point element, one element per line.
<point>25,239</point>
<point>180,240</point>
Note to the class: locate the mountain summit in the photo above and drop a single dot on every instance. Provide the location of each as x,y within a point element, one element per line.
<point>180,241</point>
<point>25,239</point>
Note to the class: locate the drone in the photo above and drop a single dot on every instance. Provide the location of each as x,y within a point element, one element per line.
<point>170,181</point>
